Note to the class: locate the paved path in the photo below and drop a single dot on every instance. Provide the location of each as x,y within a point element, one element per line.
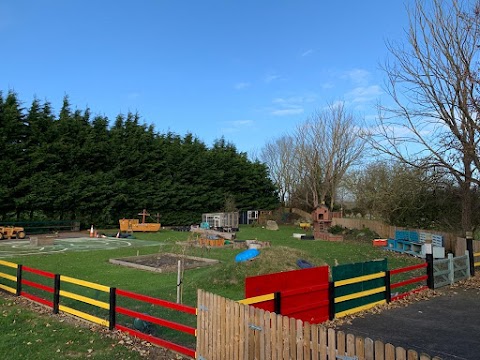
<point>10,248</point>
<point>447,326</point>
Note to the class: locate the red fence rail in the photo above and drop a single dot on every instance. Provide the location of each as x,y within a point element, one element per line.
<point>156,320</point>
<point>36,285</point>
<point>400,284</point>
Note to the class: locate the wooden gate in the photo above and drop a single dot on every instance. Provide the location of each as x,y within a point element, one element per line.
<point>450,270</point>
<point>441,273</point>
<point>461,267</point>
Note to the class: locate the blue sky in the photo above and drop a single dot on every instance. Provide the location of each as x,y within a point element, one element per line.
<point>246,70</point>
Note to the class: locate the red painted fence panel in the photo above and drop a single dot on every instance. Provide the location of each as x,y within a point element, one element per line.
<point>303,293</point>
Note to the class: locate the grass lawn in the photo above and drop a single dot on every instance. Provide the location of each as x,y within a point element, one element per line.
<point>26,334</point>
<point>225,278</point>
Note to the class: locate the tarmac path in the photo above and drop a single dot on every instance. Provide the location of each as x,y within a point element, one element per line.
<point>12,248</point>
<point>447,326</point>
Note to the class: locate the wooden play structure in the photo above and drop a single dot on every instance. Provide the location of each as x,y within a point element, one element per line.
<point>322,221</point>
<point>134,225</point>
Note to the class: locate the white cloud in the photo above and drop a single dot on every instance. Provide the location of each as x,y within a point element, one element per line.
<point>292,105</point>
<point>285,112</point>
<point>357,76</point>
<point>364,94</point>
<point>308,52</point>
<point>241,85</point>
<point>240,123</point>
<point>236,126</point>
<point>293,100</point>
<point>271,77</point>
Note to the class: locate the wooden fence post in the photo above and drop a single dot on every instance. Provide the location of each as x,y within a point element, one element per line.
<point>331,300</point>
<point>112,316</point>
<point>451,269</point>
<point>56,293</point>
<point>19,280</point>
<point>277,303</point>
<point>388,290</point>
<point>429,259</point>
<point>469,265</point>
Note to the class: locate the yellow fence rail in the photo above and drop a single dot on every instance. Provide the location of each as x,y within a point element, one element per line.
<point>12,278</point>
<point>257,299</point>
<point>85,283</point>
<point>476,263</point>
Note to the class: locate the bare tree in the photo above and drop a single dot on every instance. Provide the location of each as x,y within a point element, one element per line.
<point>327,145</point>
<point>279,157</point>
<point>433,83</point>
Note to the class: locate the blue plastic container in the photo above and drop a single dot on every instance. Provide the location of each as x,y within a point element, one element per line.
<point>247,255</point>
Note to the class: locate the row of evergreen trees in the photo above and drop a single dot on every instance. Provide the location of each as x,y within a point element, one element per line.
<point>79,166</point>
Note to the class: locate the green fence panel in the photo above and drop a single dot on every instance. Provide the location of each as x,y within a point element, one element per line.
<point>348,271</point>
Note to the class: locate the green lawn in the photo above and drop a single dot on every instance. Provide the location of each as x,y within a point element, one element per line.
<point>226,278</point>
<point>26,334</point>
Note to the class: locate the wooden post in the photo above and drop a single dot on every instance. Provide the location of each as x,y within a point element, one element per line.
<point>331,300</point>
<point>112,316</point>
<point>429,259</point>
<point>19,280</point>
<point>277,303</point>
<point>388,290</point>
<point>179,280</point>
<point>469,238</point>
<point>56,293</point>
<point>451,269</point>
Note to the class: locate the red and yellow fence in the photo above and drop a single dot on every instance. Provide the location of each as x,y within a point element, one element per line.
<point>94,302</point>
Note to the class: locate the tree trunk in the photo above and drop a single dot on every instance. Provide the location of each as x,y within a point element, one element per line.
<point>466,200</point>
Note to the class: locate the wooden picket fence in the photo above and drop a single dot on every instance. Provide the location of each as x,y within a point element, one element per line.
<point>227,329</point>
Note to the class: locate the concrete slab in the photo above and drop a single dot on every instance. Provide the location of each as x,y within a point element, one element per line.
<point>447,326</point>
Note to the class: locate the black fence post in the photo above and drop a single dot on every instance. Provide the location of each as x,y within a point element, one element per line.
<point>56,293</point>
<point>388,290</point>
<point>112,312</point>
<point>430,281</point>
<point>19,280</point>
<point>471,258</point>
<point>277,303</point>
<point>331,300</point>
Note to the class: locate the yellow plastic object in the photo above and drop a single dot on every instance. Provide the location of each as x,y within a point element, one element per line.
<point>305,226</point>
<point>11,232</point>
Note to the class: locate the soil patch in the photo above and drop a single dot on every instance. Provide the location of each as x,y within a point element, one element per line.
<point>164,262</point>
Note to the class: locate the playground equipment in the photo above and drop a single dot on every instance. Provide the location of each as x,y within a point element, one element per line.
<point>322,221</point>
<point>227,221</point>
<point>12,232</point>
<point>134,225</point>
